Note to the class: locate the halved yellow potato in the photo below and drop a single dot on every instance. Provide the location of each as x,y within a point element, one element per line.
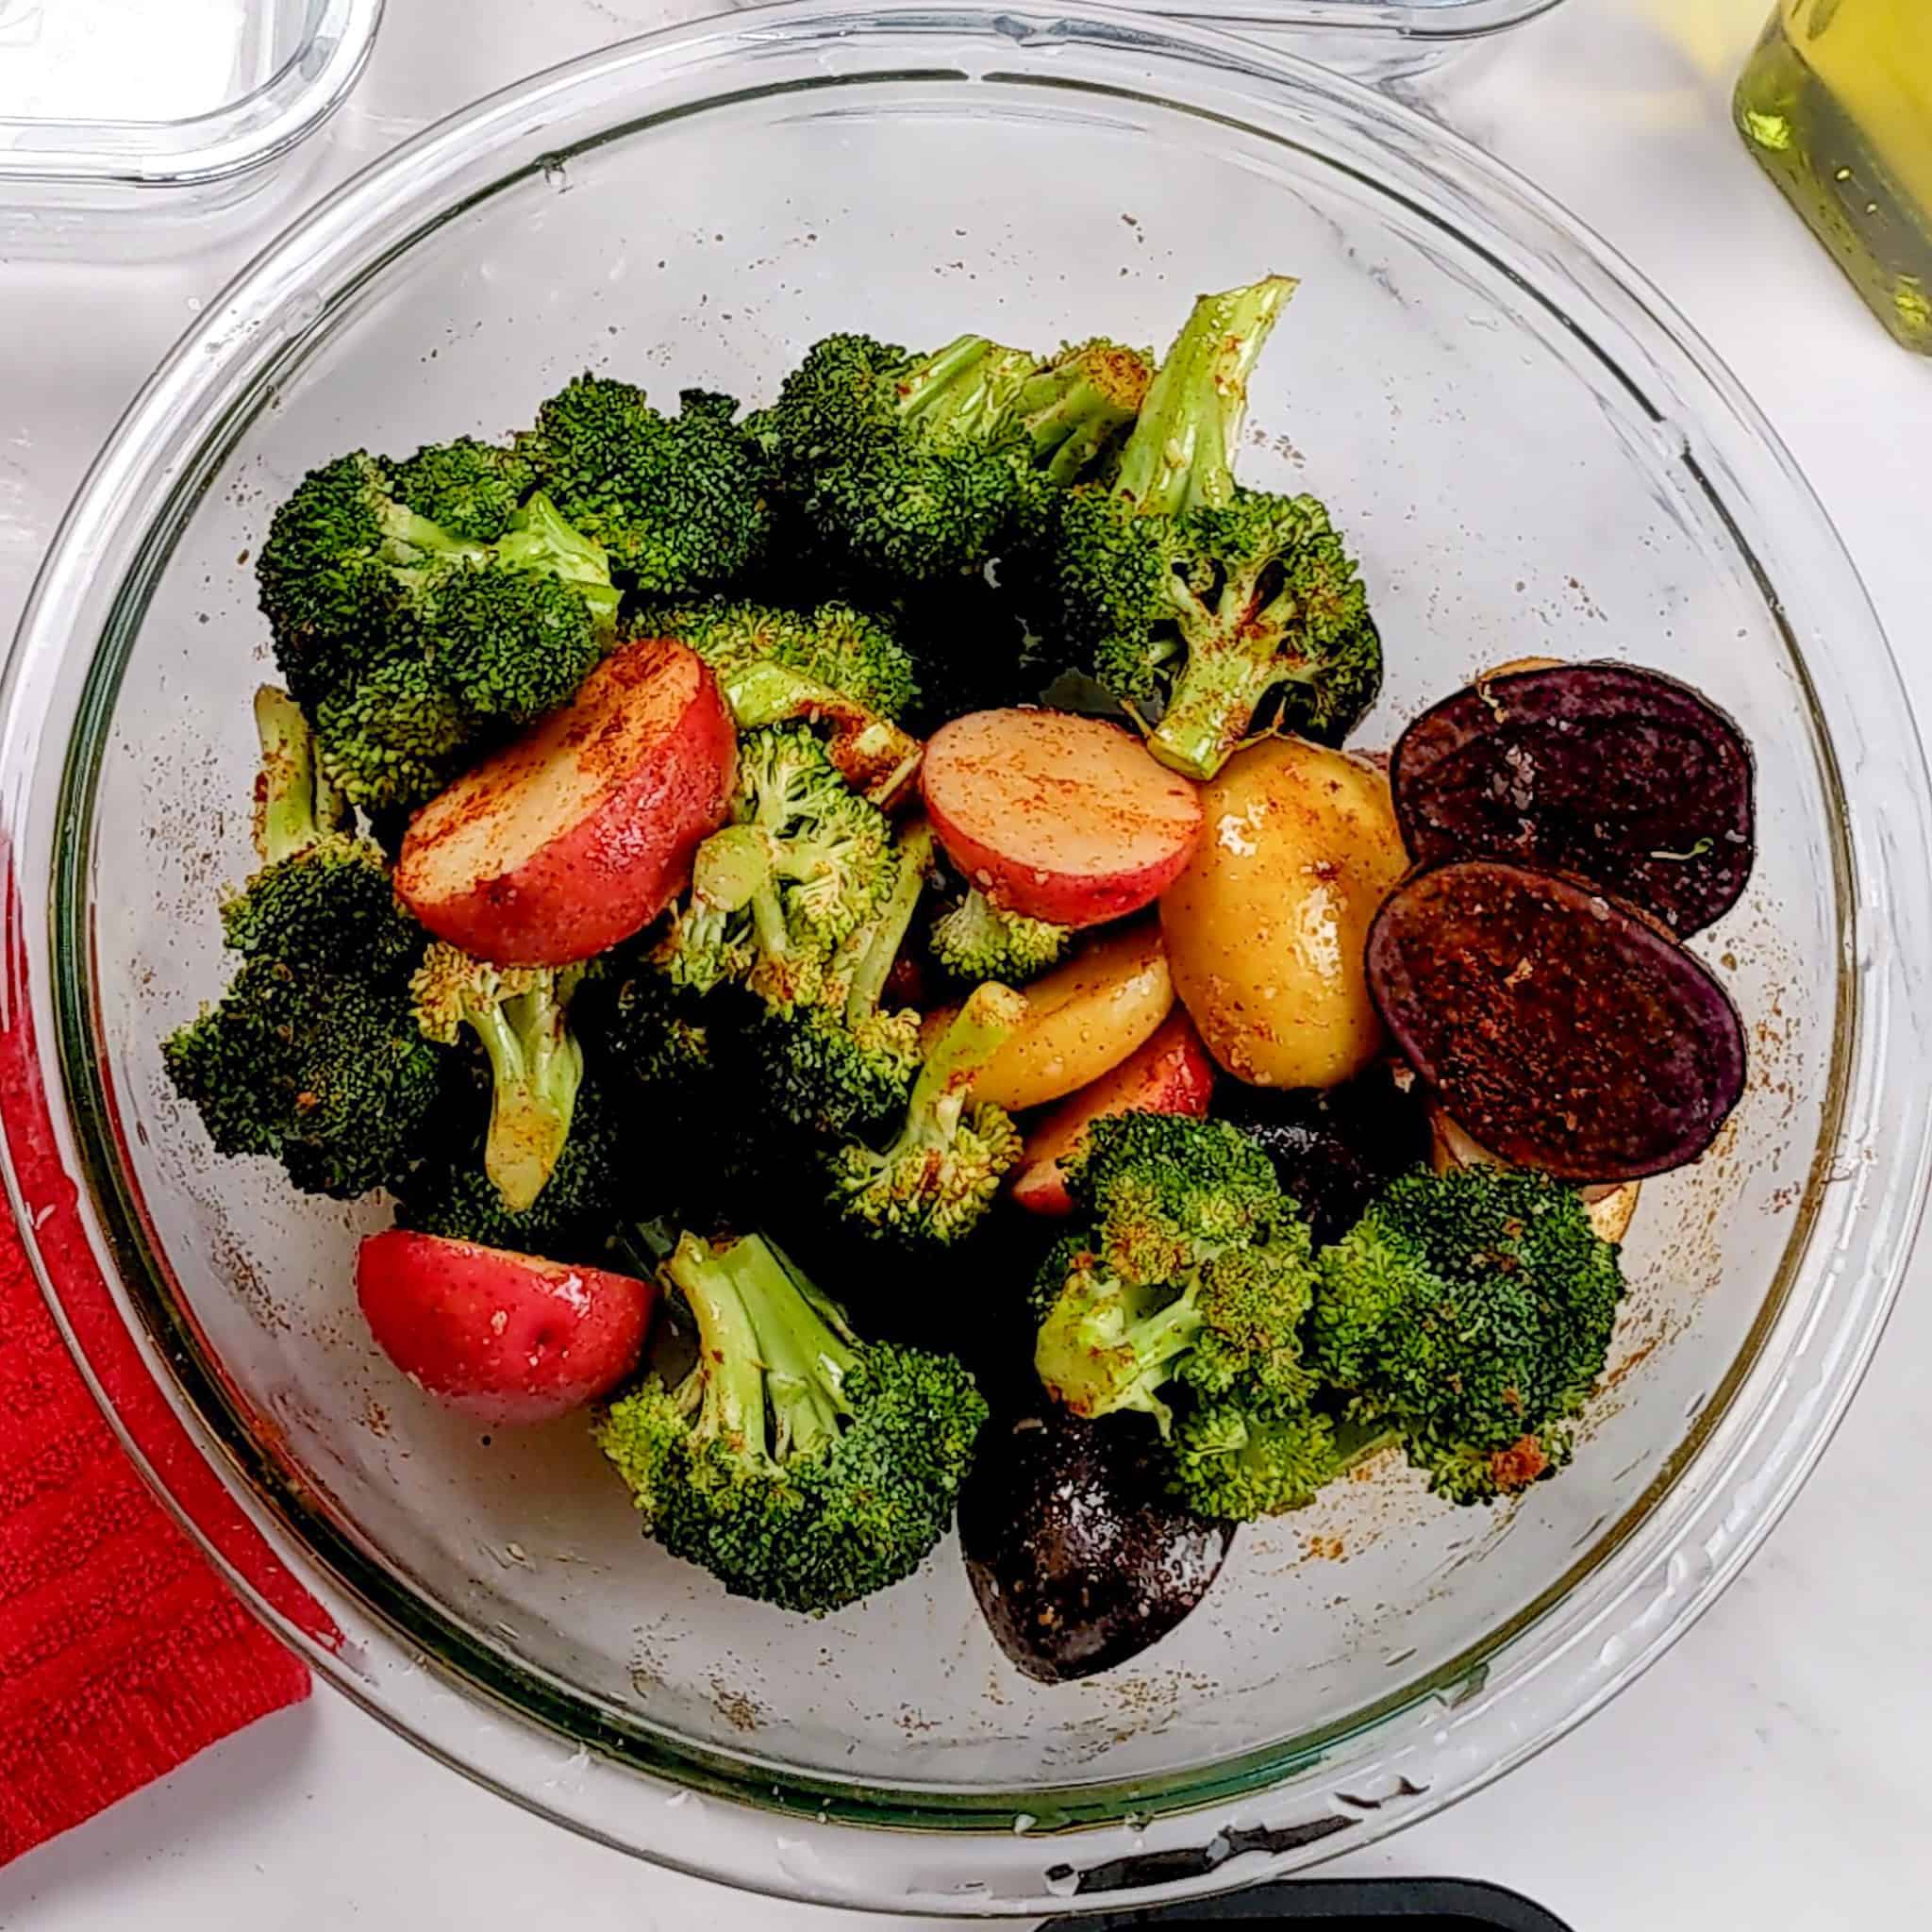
<point>1265,927</point>
<point>1083,1019</point>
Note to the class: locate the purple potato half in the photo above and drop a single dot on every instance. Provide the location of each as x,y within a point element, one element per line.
<point>1605,771</point>
<point>1561,1030</point>
<point>1078,1556</point>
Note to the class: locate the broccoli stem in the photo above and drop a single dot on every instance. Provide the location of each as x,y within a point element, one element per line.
<point>1074,407</point>
<point>540,539</point>
<point>940,1095</point>
<point>1236,655</point>
<point>410,537</point>
<point>729,1371</point>
<point>888,933</point>
<point>295,804</point>
<point>731,866</point>
<point>967,390</point>
<point>537,1067</point>
<point>1214,704</point>
<point>806,1360</point>
<point>1181,453</point>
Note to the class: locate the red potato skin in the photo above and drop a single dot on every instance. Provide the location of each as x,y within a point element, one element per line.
<point>1171,1074</point>
<point>506,1338</point>
<point>611,871</point>
<point>993,777</point>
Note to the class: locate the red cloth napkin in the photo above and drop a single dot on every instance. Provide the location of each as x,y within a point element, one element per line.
<point>122,1654</point>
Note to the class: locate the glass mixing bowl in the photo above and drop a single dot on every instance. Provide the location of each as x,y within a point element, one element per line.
<point>1532,455</point>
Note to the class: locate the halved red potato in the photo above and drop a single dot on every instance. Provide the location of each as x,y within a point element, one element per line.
<point>1083,1019</point>
<point>502,1336</point>
<point>1059,817</point>
<point>582,831</point>
<point>1170,1073</point>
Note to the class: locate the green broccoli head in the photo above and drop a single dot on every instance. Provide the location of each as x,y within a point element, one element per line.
<point>1468,1314</point>
<point>1238,1459</point>
<point>395,737</point>
<point>834,667</point>
<point>1161,1191</point>
<point>679,502</point>
<point>1230,620</point>
<point>841,1066</point>
<point>322,896</point>
<point>472,654</point>
<point>973,939</point>
<point>1184,1298</point>
<point>799,1465</point>
<point>416,650</point>
<point>916,469</point>
<point>835,647</point>
<point>329,570</point>
<point>508,644</point>
<point>935,1178</point>
<point>473,489</point>
<point>590,1191</point>
<point>661,1039</point>
<point>776,894</point>
<point>521,1018</point>
<point>1227,611</point>
<point>826,1077</point>
<point>326,1073</point>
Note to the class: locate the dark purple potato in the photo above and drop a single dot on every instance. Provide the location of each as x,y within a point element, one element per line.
<point>1619,775</point>
<point>1334,1149</point>
<point>1078,1558</point>
<point>1560,1029</point>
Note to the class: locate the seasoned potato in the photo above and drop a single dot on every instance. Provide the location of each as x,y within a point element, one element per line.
<point>1265,927</point>
<point>1083,1019</point>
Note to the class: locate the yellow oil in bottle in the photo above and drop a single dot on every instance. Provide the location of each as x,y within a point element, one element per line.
<point>1836,104</point>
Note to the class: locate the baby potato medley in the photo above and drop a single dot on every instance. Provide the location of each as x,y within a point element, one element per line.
<point>859,944</point>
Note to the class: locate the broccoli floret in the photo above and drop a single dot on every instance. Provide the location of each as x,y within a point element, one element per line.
<point>395,737</point>
<point>937,1178</point>
<point>1226,610</point>
<point>750,644</point>
<point>414,649</point>
<point>324,1072</point>
<point>322,896</point>
<point>330,569</point>
<point>679,502</point>
<point>521,1017</point>
<point>799,1465</point>
<point>591,1194</point>
<point>1184,1299</point>
<point>841,1066</point>
<point>473,489</point>
<point>1470,1314</point>
<point>916,468</point>
<point>1076,411</point>
<point>974,939</point>
<point>662,1039</point>
<point>537,540</point>
<point>838,668</point>
<point>313,1057</point>
<point>803,863</point>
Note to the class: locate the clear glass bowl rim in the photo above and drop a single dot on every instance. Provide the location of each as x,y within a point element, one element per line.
<point>1443,23</point>
<point>1653,1572</point>
<point>249,133</point>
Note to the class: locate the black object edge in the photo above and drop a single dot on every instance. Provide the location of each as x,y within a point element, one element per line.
<point>1426,1905</point>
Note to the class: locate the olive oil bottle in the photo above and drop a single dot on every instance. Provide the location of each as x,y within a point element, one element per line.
<point>1837,106</point>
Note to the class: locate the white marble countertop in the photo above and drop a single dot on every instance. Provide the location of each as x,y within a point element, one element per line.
<point>1767,1773</point>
